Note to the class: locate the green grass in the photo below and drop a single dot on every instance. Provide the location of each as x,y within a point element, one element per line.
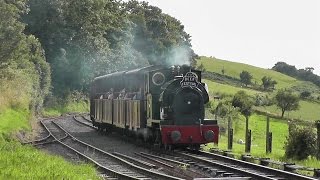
<point>308,111</point>
<point>218,88</point>
<point>25,162</point>
<point>257,124</point>
<point>234,69</point>
<point>79,107</point>
<point>13,120</point>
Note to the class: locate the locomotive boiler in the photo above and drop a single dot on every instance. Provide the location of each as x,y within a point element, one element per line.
<point>163,105</point>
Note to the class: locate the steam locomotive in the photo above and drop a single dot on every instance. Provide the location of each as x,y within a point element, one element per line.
<point>163,105</point>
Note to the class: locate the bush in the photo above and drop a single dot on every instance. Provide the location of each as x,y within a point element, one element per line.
<point>300,143</point>
<point>263,100</point>
<point>305,94</point>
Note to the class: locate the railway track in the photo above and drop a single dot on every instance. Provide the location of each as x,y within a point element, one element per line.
<point>218,165</point>
<point>111,165</point>
<point>210,165</point>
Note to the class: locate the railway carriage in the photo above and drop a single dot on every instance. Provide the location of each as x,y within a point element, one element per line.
<point>162,104</point>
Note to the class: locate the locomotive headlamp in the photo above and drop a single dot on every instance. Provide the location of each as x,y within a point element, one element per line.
<point>175,136</point>
<point>209,135</point>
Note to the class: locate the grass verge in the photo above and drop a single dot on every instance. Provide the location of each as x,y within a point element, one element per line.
<point>58,110</point>
<point>26,162</point>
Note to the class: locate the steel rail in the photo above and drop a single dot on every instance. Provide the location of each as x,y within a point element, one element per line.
<point>278,172</point>
<point>140,169</point>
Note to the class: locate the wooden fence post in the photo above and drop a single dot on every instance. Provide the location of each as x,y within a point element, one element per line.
<point>268,137</point>
<point>230,134</point>
<point>318,139</point>
<point>248,142</point>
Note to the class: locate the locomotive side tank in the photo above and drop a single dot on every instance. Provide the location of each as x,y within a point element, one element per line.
<point>162,104</point>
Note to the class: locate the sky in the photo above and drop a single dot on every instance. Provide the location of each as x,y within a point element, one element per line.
<point>254,32</point>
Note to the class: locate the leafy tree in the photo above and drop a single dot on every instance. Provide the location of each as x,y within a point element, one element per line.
<point>82,39</point>
<point>303,74</point>
<point>245,77</point>
<point>165,37</point>
<point>300,142</point>
<point>286,101</point>
<point>305,94</point>
<point>243,101</point>
<point>201,68</point>
<point>267,82</point>
<point>21,57</point>
<point>285,69</point>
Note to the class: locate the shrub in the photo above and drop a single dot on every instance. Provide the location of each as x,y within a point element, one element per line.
<point>300,143</point>
<point>305,94</point>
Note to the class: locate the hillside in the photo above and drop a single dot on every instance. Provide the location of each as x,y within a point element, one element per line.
<point>307,109</point>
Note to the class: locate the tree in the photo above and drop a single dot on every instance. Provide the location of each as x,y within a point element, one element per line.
<point>267,82</point>
<point>305,94</point>
<point>300,143</point>
<point>201,68</point>
<point>285,69</point>
<point>243,101</point>
<point>286,101</point>
<point>165,37</point>
<point>245,77</point>
<point>23,68</point>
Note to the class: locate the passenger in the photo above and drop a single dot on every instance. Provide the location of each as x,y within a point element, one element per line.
<point>122,93</point>
<point>101,96</point>
<point>127,96</point>
<point>138,95</point>
<point>110,94</point>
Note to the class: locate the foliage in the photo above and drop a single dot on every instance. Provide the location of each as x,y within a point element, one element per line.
<point>84,39</point>
<point>245,77</point>
<point>263,100</point>
<point>243,102</point>
<point>286,101</point>
<point>305,94</point>
<point>303,74</point>
<point>267,82</point>
<point>301,142</point>
<point>23,67</point>
<point>201,68</point>
<point>164,35</point>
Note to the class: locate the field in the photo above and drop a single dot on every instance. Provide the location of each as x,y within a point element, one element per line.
<point>228,90</point>
<point>307,111</point>
<point>257,123</point>
<point>233,69</point>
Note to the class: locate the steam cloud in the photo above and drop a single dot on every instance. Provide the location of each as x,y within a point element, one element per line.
<point>180,55</point>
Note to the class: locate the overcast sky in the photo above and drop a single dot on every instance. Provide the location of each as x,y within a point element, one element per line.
<point>254,32</point>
